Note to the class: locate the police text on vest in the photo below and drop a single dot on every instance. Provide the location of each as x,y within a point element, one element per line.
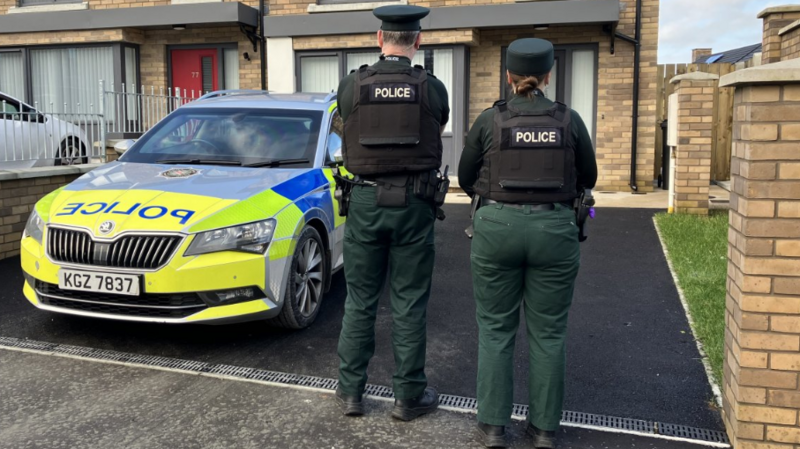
<point>392,92</point>
<point>535,137</point>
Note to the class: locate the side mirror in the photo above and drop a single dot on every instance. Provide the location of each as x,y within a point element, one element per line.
<point>337,155</point>
<point>123,145</point>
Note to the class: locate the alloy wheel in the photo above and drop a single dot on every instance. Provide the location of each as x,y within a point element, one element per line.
<point>308,278</point>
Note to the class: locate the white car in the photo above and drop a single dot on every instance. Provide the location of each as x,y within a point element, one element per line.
<point>29,138</point>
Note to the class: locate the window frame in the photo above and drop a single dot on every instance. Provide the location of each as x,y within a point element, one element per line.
<point>328,158</point>
<point>118,61</point>
<point>564,89</point>
<point>25,3</point>
<point>25,69</point>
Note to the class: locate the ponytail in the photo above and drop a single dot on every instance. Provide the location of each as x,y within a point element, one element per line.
<point>525,85</point>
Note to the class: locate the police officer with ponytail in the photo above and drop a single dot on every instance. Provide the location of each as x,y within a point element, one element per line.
<point>393,115</point>
<point>525,162</point>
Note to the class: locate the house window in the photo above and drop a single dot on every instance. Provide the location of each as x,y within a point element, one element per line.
<point>68,79</point>
<point>321,72</point>
<point>11,74</point>
<point>46,2</point>
<point>573,81</point>
<point>231,67</point>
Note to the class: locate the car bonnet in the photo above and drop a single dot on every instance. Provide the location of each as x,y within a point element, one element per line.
<point>155,197</point>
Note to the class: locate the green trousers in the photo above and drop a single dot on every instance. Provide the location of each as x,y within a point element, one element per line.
<point>397,241</point>
<point>529,259</point>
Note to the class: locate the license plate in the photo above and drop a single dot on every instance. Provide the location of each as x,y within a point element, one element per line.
<point>118,284</point>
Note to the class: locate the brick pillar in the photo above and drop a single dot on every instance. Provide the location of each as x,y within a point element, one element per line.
<point>762,340</point>
<point>700,52</point>
<point>774,20</point>
<point>695,93</point>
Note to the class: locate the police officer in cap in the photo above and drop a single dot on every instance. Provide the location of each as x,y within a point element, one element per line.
<point>393,116</point>
<point>526,159</point>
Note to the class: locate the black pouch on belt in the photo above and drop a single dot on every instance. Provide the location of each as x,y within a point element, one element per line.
<point>392,191</point>
<point>425,185</point>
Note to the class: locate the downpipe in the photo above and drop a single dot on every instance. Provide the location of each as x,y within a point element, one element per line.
<point>637,56</point>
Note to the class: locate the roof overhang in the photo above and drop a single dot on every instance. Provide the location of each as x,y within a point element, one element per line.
<point>144,17</point>
<point>560,12</point>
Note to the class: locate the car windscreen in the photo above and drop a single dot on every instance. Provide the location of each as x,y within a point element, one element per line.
<point>246,136</point>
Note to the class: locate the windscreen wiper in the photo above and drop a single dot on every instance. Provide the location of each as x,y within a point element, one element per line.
<point>276,162</point>
<point>199,161</point>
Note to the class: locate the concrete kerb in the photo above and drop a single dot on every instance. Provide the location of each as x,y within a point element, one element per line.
<point>703,356</point>
<point>43,172</point>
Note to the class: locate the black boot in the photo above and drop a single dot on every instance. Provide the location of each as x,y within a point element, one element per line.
<point>492,436</point>
<point>542,439</point>
<point>408,409</point>
<point>350,405</point>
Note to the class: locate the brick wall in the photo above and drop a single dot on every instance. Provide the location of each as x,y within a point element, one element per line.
<point>775,19</point>
<point>71,37</point>
<point>18,194</point>
<point>153,57</point>
<point>693,154</point>
<point>153,47</point>
<point>614,97</point>
<point>469,37</point>
<point>762,342</point>
<point>790,42</point>
<point>614,108</point>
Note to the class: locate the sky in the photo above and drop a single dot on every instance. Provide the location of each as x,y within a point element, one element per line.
<point>720,25</point>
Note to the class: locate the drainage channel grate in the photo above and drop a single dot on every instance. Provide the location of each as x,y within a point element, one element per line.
<point>457,403</point>
<point>692,433</point>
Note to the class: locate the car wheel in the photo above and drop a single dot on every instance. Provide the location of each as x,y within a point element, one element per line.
<point>306,284</point>
<point>72,152</point>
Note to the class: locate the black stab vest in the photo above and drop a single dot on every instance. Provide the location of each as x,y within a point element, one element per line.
<point>391,128</point>
<point>532,158</point>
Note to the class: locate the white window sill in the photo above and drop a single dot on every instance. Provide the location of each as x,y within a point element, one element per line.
<point>344,7</point>
<point>49,8</point>
<point>189,2</point>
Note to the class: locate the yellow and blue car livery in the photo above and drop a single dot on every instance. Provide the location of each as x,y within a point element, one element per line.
<point>147,241</point>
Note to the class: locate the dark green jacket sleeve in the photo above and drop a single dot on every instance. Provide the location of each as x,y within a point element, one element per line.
<point>344,96</point>
<point>440,101</point>
<point>478,138</point>
<point>585,160</point>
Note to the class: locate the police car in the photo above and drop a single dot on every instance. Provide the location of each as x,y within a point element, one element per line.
<point>223,212</point>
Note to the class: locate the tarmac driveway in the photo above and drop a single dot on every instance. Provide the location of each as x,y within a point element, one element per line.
<point>630,349</point>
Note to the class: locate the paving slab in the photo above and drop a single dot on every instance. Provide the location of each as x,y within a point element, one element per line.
<point>53,402</point>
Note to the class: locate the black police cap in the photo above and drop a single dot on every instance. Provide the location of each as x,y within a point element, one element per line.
<point>530,56</point>
<point>401,17</point>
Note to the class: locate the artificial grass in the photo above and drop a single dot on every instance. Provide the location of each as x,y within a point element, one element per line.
<point>698,248</point>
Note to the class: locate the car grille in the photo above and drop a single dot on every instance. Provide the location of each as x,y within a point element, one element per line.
<point>145,252</point>
<point>177,305</point>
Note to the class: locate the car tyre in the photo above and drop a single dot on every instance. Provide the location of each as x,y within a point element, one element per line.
<point>68,151</point>
<point>305,286</point>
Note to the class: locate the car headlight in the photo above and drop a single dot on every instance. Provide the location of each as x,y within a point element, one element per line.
<point>35,227</point>
<point>250,238</point>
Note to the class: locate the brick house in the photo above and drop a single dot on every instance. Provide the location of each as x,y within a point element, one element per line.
<point>57,51</point>
<point>312,45</point>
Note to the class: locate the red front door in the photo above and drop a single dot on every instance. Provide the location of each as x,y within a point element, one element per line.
<point>194,71</point>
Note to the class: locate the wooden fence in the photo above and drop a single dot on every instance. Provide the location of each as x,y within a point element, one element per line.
<point>722,134</point>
